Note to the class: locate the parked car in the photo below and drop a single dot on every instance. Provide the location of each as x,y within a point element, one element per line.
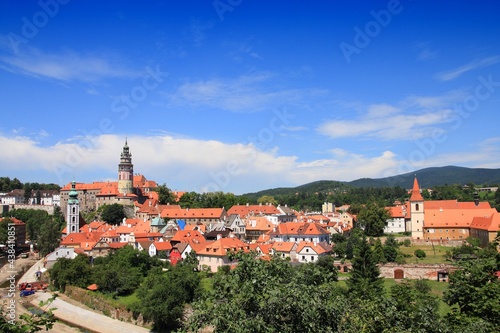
<point>26,293</point>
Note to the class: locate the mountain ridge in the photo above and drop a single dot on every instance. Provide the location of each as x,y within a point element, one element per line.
<point>427,177</point>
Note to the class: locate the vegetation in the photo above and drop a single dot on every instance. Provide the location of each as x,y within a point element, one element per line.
<point>112,214</point>
<point>42,229</point>
<point>29,323</point>
<point>276,296</point>
<point>373,219</point>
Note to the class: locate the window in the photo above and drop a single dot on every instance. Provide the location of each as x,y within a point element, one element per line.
<point>312,258</point>
<point>417,207</point>
<point>304,258</point>
<point>307,250</point>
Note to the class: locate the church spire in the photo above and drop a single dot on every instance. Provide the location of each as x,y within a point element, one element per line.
<point>415,192</point>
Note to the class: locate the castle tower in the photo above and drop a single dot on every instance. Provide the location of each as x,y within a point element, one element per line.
<point>417,212</point>
<point>125,171</point>
<point>73,211</point>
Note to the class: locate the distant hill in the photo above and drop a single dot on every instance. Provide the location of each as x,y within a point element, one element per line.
<point>431,177</point>
<point>428,177</point>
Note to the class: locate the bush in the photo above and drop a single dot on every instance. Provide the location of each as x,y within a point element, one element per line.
<point>420,254</point>
<point>406,243</point>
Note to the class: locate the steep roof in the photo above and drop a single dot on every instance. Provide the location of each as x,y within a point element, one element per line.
<point>319,248</point>
<point>283,246</point>
<point>398,211</point>
<point>222,246</point>
<point>415,192</point>
<point>488,223</point>
<point>258,223</point>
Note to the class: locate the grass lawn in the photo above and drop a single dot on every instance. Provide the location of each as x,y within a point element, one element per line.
<point>434,254</point>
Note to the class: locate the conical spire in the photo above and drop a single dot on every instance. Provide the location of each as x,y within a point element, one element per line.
<point>415,192</point>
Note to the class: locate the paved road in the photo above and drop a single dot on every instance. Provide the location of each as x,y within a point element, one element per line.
<point>78,316</point>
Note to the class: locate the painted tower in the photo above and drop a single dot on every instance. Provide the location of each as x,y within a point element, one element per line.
<point>125,171</point>
<point>73,211</point>
<point>417,212</point>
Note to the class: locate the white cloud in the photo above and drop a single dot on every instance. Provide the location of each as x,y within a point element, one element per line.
<point>478,63</point>
<point>410,119</point>
<point>65,66</point>
<point>196,165</point>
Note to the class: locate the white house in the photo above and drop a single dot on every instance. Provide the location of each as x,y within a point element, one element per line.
<point>397,223</point>
<point>60,252</point>
<point>311,251</point>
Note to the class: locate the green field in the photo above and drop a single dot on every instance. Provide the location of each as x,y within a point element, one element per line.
<point>434,254</point>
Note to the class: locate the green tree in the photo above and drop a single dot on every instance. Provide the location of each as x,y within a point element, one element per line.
<point>121,272</point>
<point>364,281</point>
<point>475,290</point>
<point>4,226</point>
<point>165,195</point>
<point>378,252</point>
<point>416,308</point>
<point>267,199</point>
<point>112,214</point>
<point>164,294</point>
<point>71,272</point>
<point>50,237</point>
<point>373,219</point>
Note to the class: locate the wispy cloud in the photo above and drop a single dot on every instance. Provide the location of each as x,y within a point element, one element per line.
<point>410,119</point>
<point>65,66</point>
<point>425,53</point>
<point>248,93</point>
<point>478,63</point>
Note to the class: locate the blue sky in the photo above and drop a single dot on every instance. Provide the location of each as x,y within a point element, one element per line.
<point>240,96</point>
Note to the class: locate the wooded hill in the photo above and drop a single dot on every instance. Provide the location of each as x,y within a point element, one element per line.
<point>427,178</point>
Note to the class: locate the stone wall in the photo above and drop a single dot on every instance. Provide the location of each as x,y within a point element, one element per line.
<point>414,271</point>
<point>48,208</point>
<point>99,303</point>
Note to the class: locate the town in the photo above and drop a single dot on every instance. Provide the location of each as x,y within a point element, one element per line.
<point>214,238</point>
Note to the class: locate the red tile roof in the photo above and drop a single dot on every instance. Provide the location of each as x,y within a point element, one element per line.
<point>319,248</point>
<point>488,223</point>
<point>222,246</point>
<point>192,213</point>
<point>415,192</point>
<point>246,210</point>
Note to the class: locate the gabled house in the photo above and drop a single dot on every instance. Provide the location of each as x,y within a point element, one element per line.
<point>298,232</point>
<point>160,249</point>
<point>312,251</point>
<point>485,228</point>
<point>60,252</point>
<point>236,225</point>
<point>397,222</point>
<point>215,254</point>
<point>257,226</point>
<point>285,250</point>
